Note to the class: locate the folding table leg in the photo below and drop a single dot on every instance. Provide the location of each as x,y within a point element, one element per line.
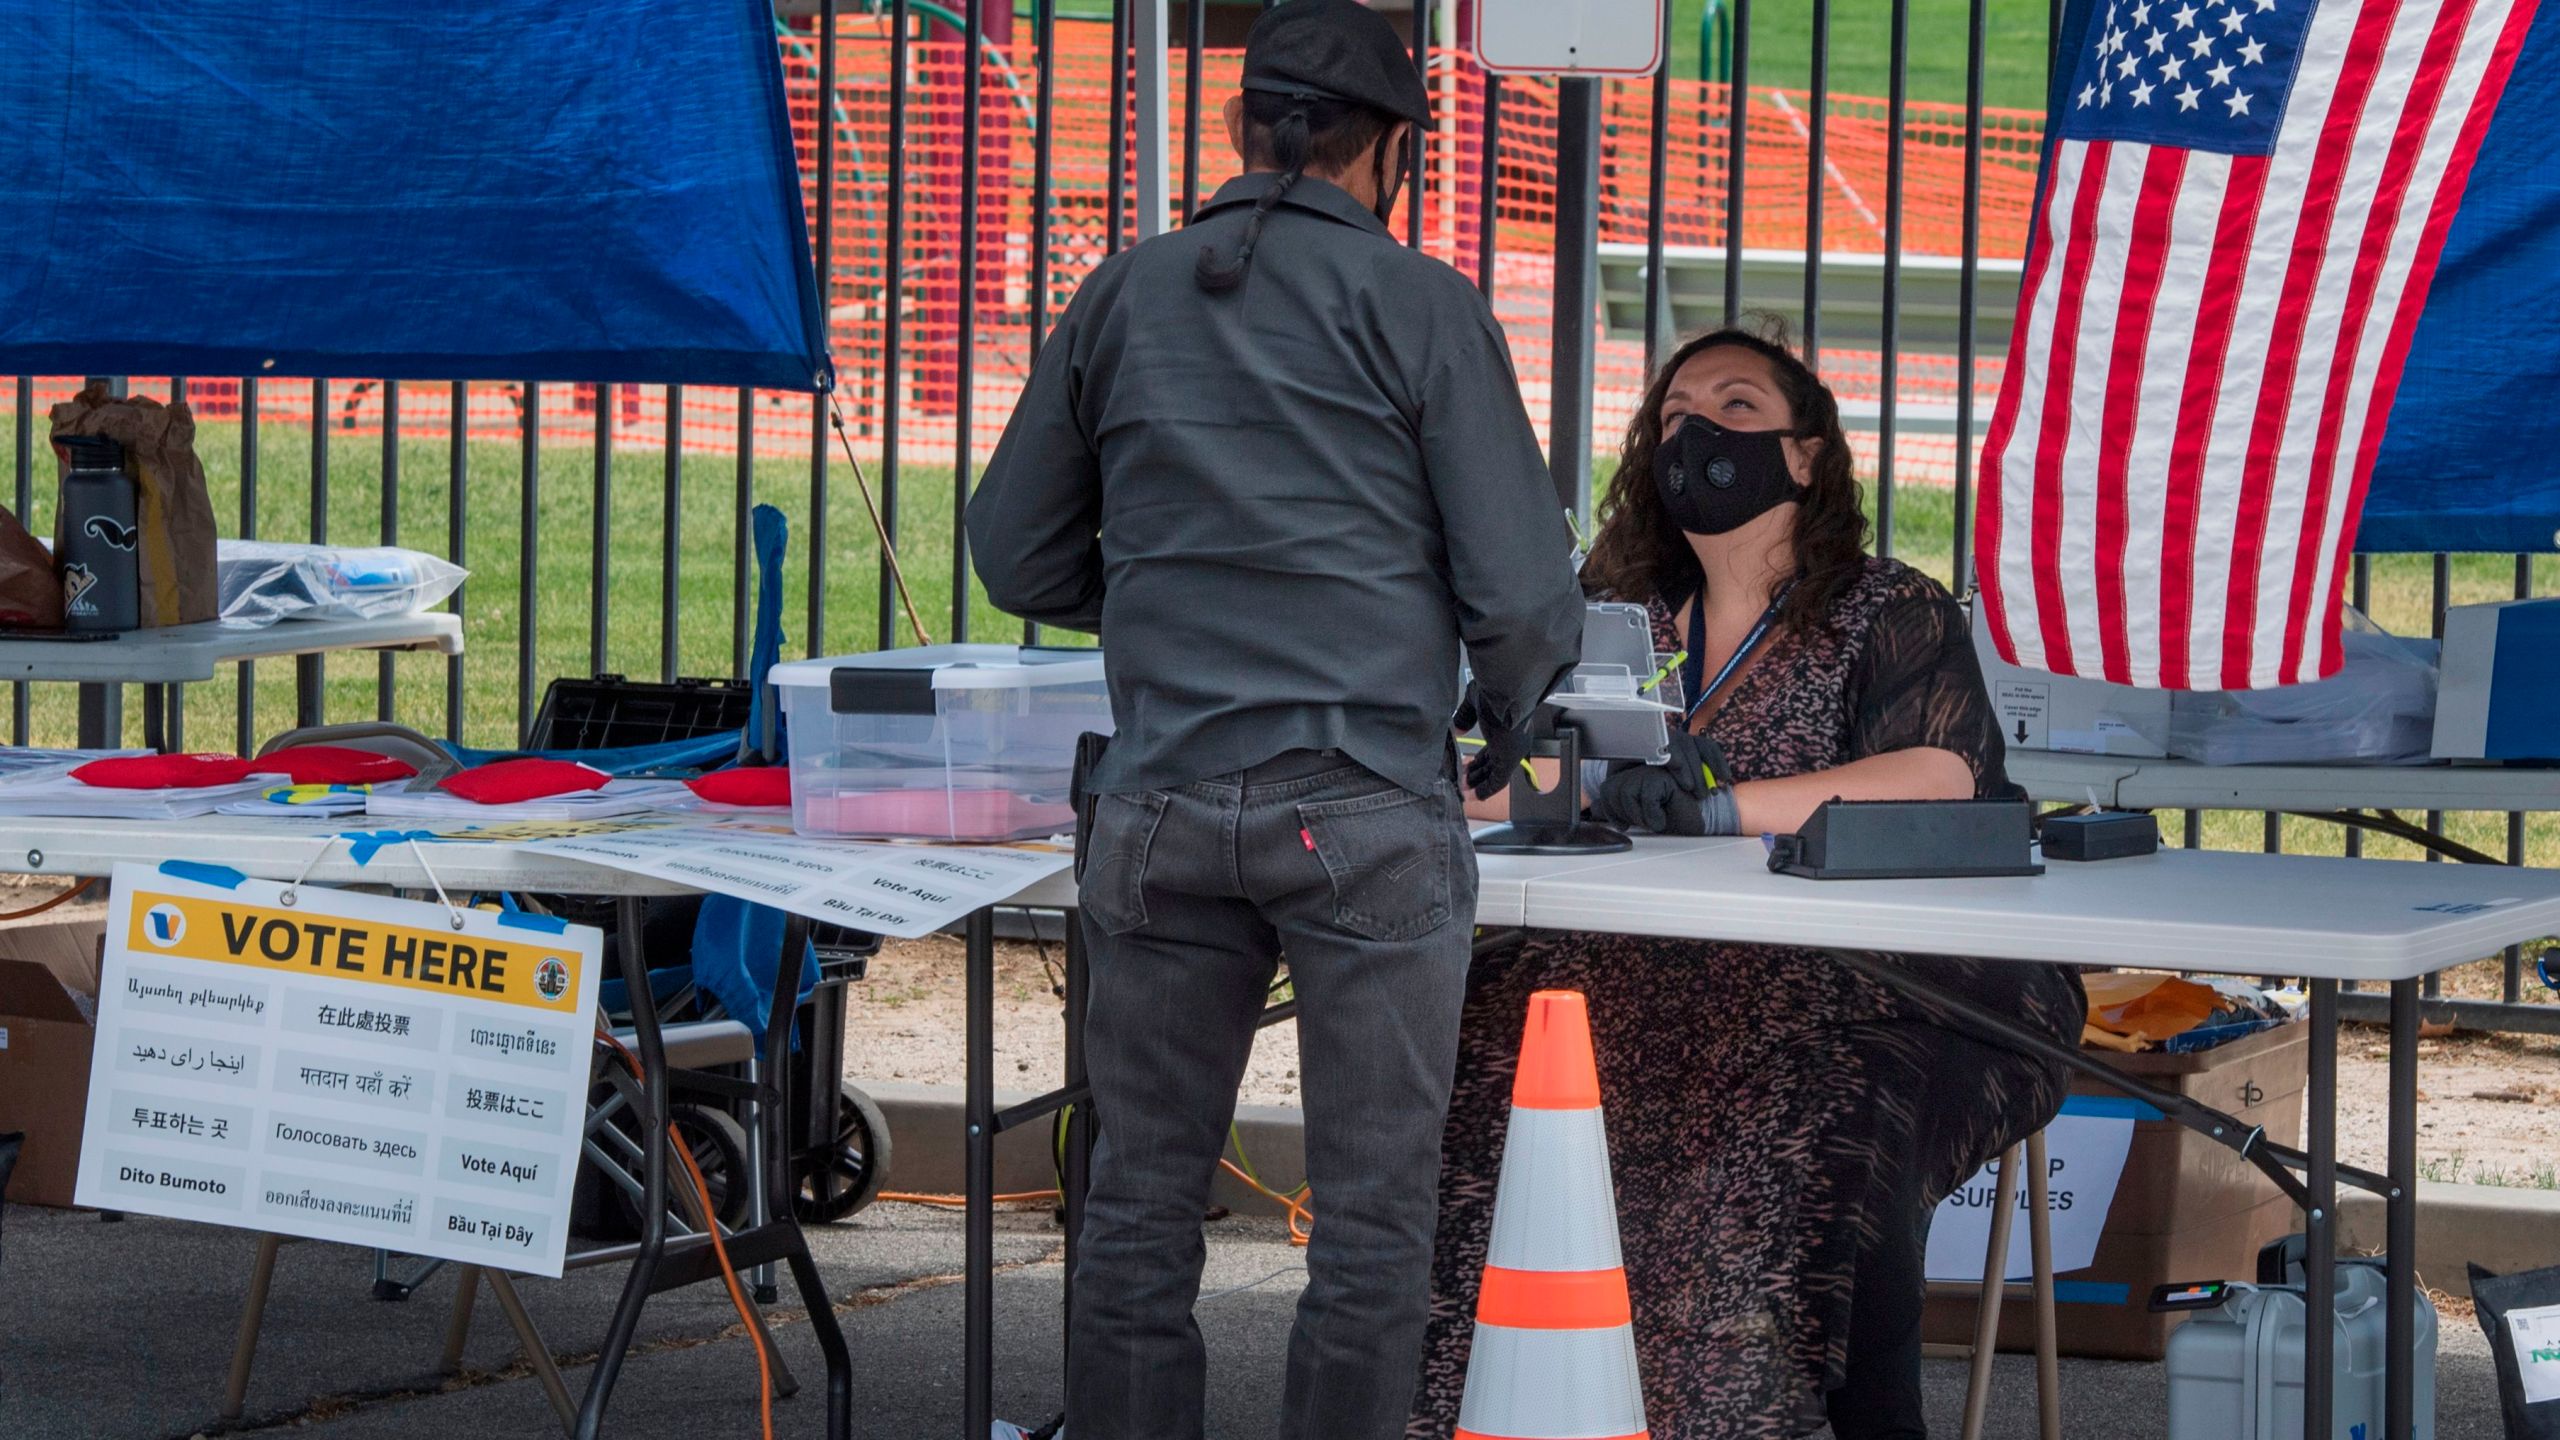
<point>2400,1270</point>
<point>1078,1168</point>
<point>2040,1246</point>
<point>1995,1288</point>
<point>2320,1230</point>
<point>979,1262</point>
<point>457,1328</point>
<point>244,1351</point>
<point>537,1353</point>
<point>641,1281</point>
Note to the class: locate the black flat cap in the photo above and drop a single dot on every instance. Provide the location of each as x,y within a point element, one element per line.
<point>1335,50</point>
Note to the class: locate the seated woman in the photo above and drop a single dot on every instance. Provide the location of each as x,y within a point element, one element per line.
<point>1781,1127</point>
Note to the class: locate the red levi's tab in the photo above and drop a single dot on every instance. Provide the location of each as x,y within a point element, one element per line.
<point>163,772</point>
<point>752,785</point>
<point>332,765</point>
<point>506,782</point>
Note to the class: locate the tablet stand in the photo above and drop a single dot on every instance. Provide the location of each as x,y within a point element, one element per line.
<point>1549,822</point>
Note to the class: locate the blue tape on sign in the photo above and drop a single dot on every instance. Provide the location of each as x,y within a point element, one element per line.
<point>363,845</point>
<point>2090,1292</point>
<point>222,876</point>
<point>2109,1107</point>
<point>527,920</point>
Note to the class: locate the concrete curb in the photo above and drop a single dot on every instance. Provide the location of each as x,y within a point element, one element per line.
<point>927,1122</point>
<point>2505,1229</point>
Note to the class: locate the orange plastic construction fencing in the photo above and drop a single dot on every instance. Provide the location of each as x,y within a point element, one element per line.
<point>929,268</point>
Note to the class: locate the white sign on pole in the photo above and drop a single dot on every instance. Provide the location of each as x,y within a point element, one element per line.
<point>1569,37</point>
<point>304,1061</point>
<point>2085,1149</point>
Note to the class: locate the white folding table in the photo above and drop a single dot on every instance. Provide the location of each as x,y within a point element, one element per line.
<point>2131,783</point>
<point>187,654</point>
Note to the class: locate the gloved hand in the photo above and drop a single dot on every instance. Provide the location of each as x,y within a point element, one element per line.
<point>1691,795</point>
<point>1499,758</point>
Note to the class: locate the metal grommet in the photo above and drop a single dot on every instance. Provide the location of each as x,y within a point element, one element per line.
<point>35,860</point>
<point>284,897</point>
<point>457,919</point>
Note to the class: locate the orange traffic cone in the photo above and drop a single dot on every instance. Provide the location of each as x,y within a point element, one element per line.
<point>1555,1352</point>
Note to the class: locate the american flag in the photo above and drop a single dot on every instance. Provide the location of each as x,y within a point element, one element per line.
<point>2241,208</point>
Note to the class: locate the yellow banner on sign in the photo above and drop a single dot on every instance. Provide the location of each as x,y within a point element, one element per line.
<point>526,972</point>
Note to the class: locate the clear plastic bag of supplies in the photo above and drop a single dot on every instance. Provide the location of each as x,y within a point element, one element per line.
<point>264,581</point>
<point>2379,709</point>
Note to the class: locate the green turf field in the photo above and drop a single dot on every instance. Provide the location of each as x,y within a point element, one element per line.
<point>1861,47</point>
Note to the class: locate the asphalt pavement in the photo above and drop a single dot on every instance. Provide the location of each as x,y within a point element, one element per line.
<point>123,1331</point>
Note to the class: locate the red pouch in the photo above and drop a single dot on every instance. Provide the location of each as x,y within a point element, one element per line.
<point>163,772</point>
<point>506,782</point>
<point>765,785</point>
<point>332,765</point>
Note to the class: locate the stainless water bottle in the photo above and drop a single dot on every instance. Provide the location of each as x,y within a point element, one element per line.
<point>100,554</point>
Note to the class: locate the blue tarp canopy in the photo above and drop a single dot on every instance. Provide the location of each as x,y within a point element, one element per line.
<point>429,189</point>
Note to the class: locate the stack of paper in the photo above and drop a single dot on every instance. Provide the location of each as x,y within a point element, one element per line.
<point>308,801</point>
<point>63,797</point>
<point>19,763</point>
<point>620,797</point>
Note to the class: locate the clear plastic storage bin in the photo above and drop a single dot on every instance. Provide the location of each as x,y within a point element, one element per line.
<point>943,742</point>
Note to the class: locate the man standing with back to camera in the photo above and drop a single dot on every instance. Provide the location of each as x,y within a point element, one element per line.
<point>1280,463</point>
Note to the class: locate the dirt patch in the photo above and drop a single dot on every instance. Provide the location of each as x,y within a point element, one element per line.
<point>2486,1116</point>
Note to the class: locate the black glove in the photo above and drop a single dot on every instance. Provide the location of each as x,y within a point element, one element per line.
<point>1494,763</point>
<point>1690,795</point>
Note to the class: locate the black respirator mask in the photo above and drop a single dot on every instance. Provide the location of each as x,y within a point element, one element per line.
<point>1713,480</point>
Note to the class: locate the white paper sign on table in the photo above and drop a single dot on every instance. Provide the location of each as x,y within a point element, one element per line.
<point>902,891</point>
<point>2085,1149</point>
<point>339,1066</point>
<point>2536,1333</point>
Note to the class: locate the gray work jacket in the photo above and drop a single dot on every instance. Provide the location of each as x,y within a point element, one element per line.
<point>1282,507</point>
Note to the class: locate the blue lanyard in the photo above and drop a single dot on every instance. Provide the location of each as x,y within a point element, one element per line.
<point>1698,647</point>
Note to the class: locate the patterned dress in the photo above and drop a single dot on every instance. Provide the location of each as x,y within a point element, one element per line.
<point>1772,1115</point>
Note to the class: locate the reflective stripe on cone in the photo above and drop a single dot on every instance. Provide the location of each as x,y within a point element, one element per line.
<point>1554,1208</point>
<point>1552,1385</point>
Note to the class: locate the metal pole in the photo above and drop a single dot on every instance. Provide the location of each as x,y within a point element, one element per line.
<point>1414,179</point>
<point>20,715</point>
<point>1489,185</point>
<point>245,694</point>
<point>311,672</point>
<point>528,530</point>
<point>1737,128</point>
<point>1115,205</point>
<point>1195,22</point>
<point>457,531</point>
<point>742,532</point>
<point>1577,290</point>
<point>1043,157</point>
<point>893,284</point>
<point>1970,286</point>
<point>1152,32</point>
<point>671,539</point>
<point>600,545</point>
<point>2320,1230</point>
<point>826,258</point>
<point>385,674</point>
<point>979,1242</point>
<point>1815,177</point>
<point>1657,182</point>
<point>2400,1220</point>
<point>965,412</point>
<point>1889,401</point>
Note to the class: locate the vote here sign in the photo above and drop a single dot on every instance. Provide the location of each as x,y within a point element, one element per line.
<point>344,1067</point>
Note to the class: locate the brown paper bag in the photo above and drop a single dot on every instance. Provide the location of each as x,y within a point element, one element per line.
<point>30,592</point>
<point>171,506</point>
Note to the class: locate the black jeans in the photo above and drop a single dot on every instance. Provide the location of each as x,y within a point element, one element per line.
<point>1190,898</point>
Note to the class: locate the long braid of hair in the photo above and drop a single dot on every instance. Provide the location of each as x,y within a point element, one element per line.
<point>1292,142</point>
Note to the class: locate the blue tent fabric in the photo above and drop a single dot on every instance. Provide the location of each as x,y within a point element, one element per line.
<point>2471,460</point>
<point>599,190</point>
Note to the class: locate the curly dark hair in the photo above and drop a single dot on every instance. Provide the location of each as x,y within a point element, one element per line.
<point>1640,554</point>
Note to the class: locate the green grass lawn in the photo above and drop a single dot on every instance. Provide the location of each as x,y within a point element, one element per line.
<point>563,562</point>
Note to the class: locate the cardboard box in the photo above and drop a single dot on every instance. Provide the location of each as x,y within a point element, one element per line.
<point>74,950</point>
<point>2040,710</point>
<point>2499,695</point>
<point>2187,1207</point>
<point>44,1080</point>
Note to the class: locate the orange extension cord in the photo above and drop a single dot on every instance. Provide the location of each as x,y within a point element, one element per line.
<point>65,898</point>
<point>711,1223</point>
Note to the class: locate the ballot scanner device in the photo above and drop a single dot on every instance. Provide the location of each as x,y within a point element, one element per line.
<point>1617,704</point>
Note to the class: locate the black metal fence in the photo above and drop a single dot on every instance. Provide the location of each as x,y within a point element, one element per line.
<point>700,514</point>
